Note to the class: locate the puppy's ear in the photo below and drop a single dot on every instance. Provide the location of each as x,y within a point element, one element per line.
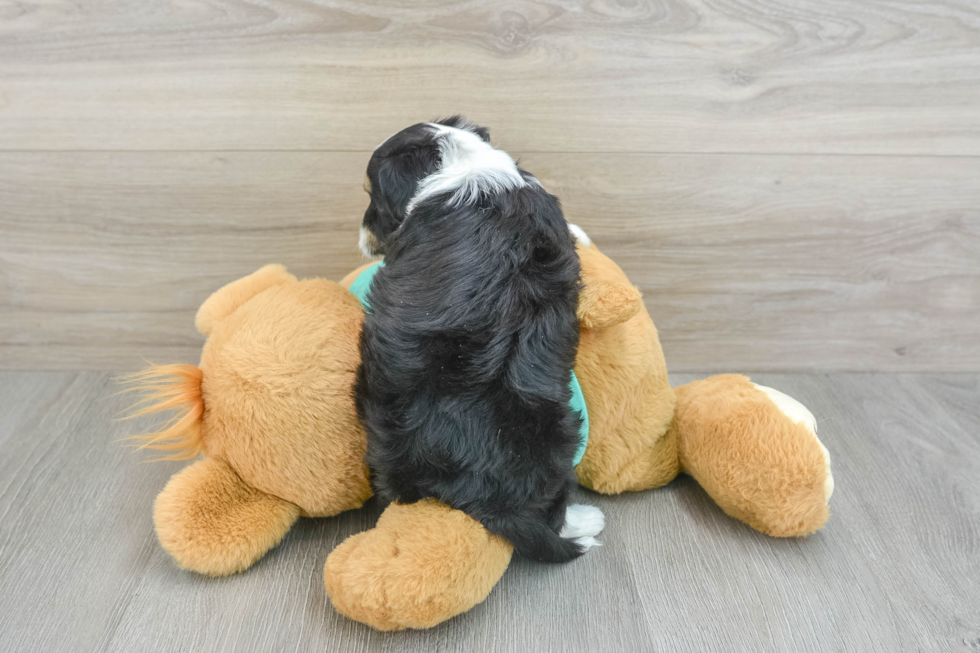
<point>397,181</point>
<point>483,133</point>
<point>400,173</point>
<point>607,296</point>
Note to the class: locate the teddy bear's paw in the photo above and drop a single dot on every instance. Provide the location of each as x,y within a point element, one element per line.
<point>421,565</point>
<point>800,414</point>
<point>582,524</point>
<point>755,451</point>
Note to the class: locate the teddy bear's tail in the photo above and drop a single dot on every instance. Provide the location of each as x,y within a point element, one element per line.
<point>170,387</point>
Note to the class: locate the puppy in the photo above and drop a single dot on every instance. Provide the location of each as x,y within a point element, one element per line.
<point>470,339</point>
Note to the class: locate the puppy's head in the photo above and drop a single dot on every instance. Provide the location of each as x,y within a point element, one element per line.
<point>397,168</point>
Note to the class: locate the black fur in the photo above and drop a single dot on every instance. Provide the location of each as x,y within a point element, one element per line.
<point>467,350</point>
<point>395,170</point>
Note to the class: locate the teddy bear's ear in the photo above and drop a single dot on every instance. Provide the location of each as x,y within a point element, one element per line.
<point>226,301</point>
<point>607,296</point>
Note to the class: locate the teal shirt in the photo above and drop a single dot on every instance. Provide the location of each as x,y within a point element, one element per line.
<point>360,288</point>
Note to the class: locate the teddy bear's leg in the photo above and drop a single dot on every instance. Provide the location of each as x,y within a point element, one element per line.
<point>755,452</point>
<point>422,564</point>
<point>213,523</point>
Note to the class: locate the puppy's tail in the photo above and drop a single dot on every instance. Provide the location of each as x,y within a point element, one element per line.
<point>533,538</point>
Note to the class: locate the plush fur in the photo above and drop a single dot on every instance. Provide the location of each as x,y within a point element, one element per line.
<point>757,462</point>
<point>212,522</point>
<point>280,437</point>
<point>277,368</point>
<point>422,563</point>
<point>623,375</point>
<point>222,304</point>
<point>467,350</point>
<point>280,370</point>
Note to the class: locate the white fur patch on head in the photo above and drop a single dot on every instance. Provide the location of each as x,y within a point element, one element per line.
<point>580,236</point>
<point>582,524</point>
<point>469,166</point>
<point>799,413</point>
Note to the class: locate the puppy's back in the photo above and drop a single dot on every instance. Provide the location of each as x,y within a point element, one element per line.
<point>466,359</point>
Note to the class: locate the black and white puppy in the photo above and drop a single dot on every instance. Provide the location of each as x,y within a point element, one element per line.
<point>470,339</point>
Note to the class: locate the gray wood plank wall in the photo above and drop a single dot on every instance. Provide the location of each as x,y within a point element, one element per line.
<point>793,185</point>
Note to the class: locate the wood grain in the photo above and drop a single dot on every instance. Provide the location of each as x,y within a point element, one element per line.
<point>894,569</point>
<point>747,262</point>
<point>769,263</point>
<point>837,76</point>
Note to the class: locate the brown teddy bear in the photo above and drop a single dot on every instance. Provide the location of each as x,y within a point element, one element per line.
<point>271,408</point>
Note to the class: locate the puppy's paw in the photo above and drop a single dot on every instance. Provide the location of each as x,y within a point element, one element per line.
<point>586,543</point>
<point>583,523</point>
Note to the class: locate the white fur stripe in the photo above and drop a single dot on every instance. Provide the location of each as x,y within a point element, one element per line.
<point>469,166</point>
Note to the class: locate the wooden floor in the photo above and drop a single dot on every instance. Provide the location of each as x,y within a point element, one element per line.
<point>897,567</point>
<point>792,183</point>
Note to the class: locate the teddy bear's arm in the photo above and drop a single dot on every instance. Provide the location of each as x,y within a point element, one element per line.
<point>211,522</point>
<point>422,564</point>
<point>607,296</point>
<point>227,299</point>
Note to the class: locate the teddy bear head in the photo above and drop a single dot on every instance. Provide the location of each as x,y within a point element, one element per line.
<point>273,394</point>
